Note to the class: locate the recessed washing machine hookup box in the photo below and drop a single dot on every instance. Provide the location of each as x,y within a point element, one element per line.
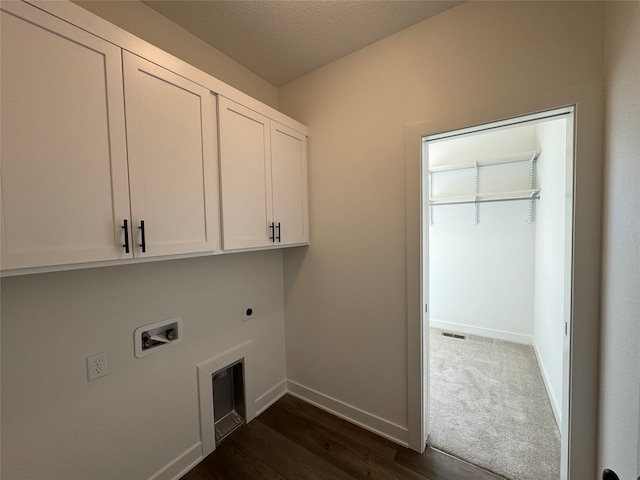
<point>157,336</point>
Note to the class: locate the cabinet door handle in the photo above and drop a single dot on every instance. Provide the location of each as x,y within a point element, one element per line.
<point>272,237</point>
<point>144,243</point>
<point>125,227</point>
<point>278,237</point>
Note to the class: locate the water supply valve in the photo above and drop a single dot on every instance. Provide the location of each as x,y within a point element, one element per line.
<point>157,336</point>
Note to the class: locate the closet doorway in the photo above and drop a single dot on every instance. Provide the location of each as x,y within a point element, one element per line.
<point>498,206</point>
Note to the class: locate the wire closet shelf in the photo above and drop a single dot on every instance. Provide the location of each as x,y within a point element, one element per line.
<point>475,198</point>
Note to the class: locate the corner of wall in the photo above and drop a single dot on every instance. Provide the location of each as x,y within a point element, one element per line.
<point>619,385</point>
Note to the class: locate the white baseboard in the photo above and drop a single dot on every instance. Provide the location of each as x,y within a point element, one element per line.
<point>481,331</point>
<point>180,465</point>
<point>555,405</point>
<point>380,426</point>
<point>267,399</point>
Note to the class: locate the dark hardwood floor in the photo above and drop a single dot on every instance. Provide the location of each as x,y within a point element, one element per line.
<point>294,440</point>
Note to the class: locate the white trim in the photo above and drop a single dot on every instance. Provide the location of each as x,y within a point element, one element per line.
<point>261,248</point>
<point>417,285</point>
<point>106,263</point>
<point>380,426</point>
<point>482,332</point>
<point>555,405</point>
<point>181,464</point>
<point>132,261</point>
<point>270,397</point>
<point>508,122</point>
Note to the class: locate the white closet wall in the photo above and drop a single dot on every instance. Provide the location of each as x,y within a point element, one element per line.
<point>482,276</point>
<point>549,300</point>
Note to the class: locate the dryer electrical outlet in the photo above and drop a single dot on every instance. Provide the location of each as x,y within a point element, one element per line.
<point>248,312</point>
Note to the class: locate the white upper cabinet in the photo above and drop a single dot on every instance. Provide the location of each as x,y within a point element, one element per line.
<point>172,161</point>
<point>263,180</point>
<point>245,173</point>
<point>63,158</point>
<point>108,156</point>
<point>289,185</point>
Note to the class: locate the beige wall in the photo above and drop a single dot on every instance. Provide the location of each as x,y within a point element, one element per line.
<point>346,310</point>
<point>144,414</point>
<point>144,22</point>
<point>620,334</point>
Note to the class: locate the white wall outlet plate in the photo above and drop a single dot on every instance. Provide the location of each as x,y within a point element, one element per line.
<point>96,366</point>
<point>248,312</point>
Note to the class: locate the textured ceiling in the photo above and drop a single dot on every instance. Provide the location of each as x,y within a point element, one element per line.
<point>280,40</point>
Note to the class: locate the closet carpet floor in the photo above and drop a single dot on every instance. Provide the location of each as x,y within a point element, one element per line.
<point>489,406</point>
<point>293,440</point>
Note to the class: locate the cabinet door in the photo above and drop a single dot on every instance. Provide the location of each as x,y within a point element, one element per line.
<point>289,183</point>
<point>172,160</point>
<point>64,166</point>
<point>245,171</point>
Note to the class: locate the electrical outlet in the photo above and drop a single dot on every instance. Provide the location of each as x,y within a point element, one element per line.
<point>248,312</point>
<point>96,366</point>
